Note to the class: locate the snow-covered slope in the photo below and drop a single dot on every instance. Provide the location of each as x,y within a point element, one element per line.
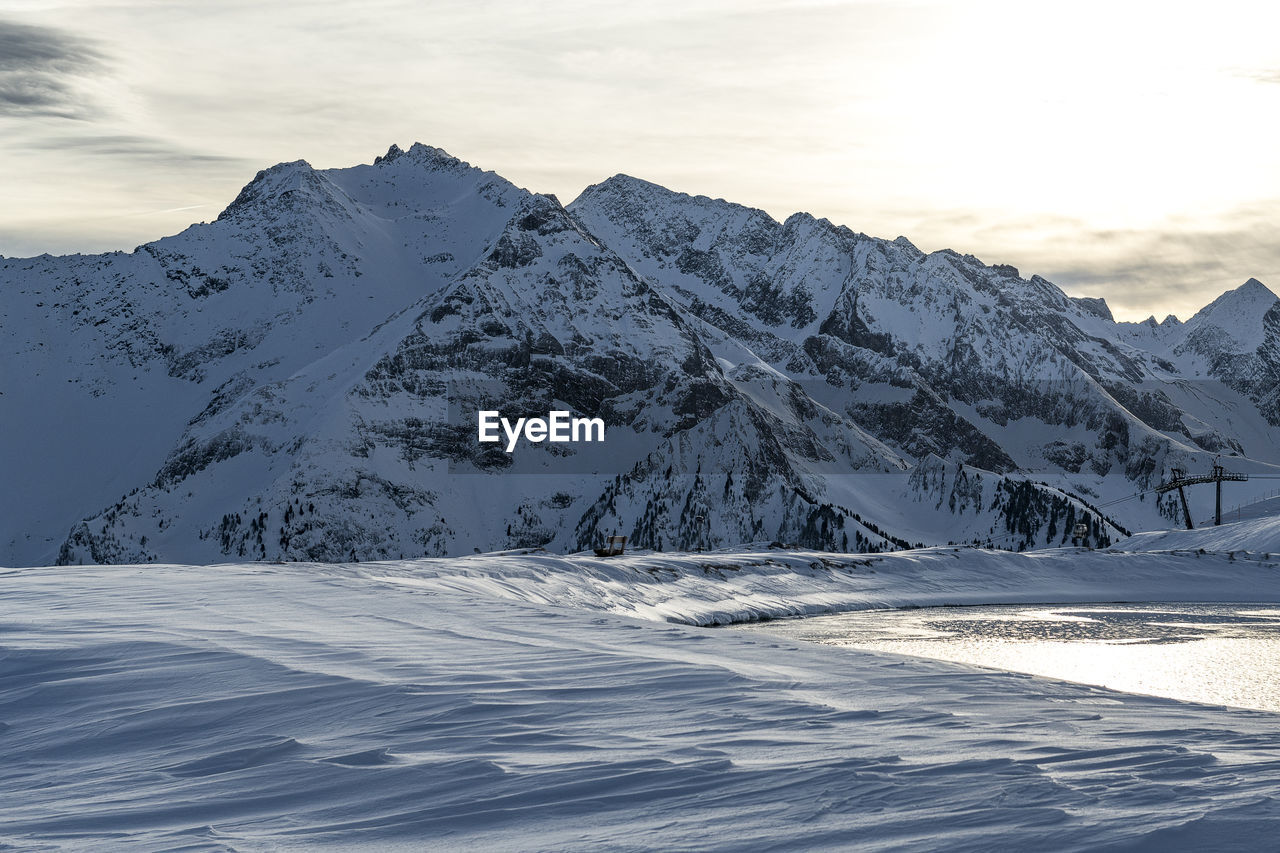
<point>300,380</point>
<point>1250,538</point>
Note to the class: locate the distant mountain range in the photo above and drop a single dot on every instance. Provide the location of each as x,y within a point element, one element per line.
<point>300,379</point>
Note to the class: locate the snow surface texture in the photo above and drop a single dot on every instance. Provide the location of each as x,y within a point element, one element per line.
<point>299,380</point>
<point>739,585</point>
<point>419,705</point>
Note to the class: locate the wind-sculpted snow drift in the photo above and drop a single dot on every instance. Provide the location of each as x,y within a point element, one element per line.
<point>301,378</point>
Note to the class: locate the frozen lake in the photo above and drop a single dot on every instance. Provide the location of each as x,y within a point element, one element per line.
<point>1220,654</point>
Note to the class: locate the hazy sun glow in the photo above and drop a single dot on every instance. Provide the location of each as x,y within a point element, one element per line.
<point>1119,149</point>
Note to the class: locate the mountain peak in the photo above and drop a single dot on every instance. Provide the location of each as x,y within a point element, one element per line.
<point>393,153</point>
<point>1253,287</point>
<point>625,183</point>
<point>624,178</point>
<point>1252,298</point>
<point>271,183</point>
<point>647,202</point>
<point>1097,306</point>
<point>1236,315</point>
<point>420,153</point>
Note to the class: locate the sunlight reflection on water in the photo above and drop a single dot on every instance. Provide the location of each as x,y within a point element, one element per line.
<point>1220,654</point>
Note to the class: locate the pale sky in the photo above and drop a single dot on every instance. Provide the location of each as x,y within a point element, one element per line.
<point>1120,149</point>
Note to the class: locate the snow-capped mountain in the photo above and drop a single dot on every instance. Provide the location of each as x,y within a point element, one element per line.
<point>939,354</point>
<point>300,379</point>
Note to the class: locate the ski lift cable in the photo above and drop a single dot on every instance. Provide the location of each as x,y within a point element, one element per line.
<point>1125,498</point>
<point>1149,491</point>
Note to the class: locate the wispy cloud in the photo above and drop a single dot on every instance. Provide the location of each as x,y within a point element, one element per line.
<point>152,149</point>
<point>167,210</point>
<point>41,69</point>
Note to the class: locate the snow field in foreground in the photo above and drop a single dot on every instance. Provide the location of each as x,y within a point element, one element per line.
<point>420,705</point>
